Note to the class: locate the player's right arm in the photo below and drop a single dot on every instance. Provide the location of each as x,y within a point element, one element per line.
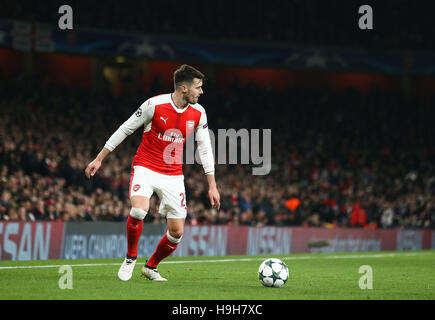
<point>142,116</point>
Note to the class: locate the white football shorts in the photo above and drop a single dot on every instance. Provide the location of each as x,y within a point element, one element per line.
<point>170,190</point>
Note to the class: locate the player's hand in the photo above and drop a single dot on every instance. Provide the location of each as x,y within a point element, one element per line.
<point>215,198</point>
<point>92,168</point>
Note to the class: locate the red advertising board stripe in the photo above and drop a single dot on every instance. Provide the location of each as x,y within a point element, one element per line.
<point>237,240</point>
<point>427,240</point>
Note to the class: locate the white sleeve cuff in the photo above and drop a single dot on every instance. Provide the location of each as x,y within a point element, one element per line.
<point>117,137</point>
<point>208,172</point>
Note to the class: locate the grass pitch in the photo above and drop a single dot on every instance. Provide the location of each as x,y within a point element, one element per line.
<point>396,275</point>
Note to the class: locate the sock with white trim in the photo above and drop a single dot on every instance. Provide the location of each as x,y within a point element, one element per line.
<point>166,246</point>
<point>134,230</point>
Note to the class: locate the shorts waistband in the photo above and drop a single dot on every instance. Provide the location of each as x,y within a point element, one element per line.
<point>158,174</point>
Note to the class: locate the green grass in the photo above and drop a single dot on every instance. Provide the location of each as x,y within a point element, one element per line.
<point>396,275</point>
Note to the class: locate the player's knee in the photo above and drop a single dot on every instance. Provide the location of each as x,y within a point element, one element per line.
<point>174,236</point>
<point>138,213</point>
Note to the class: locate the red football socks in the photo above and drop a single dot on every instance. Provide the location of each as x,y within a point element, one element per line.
<point>164,249</point>
<point>134,230</point>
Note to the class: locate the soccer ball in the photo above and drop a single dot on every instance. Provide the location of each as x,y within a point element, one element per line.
<point>273,273</point>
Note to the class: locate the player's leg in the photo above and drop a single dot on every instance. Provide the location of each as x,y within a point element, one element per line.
<point>140,206</point>
<point>174,208</point>
<point>168,243</point>
<point>139,209</point>
<point>140,193</point>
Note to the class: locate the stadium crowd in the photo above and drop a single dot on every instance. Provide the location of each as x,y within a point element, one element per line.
<point>339,159</point>
<point>398,24</point>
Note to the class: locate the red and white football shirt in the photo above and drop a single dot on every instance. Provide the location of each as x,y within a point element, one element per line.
<point>166,130</point>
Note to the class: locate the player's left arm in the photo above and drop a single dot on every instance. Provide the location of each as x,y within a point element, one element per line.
<point>142,116</point>
<point>202,137</point>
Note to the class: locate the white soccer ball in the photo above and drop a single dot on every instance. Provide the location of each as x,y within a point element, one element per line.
<point>273,272</point>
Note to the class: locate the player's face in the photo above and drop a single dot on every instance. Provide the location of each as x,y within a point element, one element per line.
<point>194,91</point>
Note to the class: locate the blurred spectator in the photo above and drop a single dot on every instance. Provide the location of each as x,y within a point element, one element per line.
<point>387,217</point>
<point>358,217</point>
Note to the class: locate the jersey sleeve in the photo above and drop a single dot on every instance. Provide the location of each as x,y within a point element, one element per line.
<point>202,137</point>
<point>202,121</point>
<point>142,116</point>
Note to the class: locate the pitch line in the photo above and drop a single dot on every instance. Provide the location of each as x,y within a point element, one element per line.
<point>314,256</point>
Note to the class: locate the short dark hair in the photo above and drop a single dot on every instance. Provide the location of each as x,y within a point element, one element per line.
<point>185,74</point>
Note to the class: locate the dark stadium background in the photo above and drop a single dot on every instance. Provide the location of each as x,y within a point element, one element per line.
<point>351,112</point>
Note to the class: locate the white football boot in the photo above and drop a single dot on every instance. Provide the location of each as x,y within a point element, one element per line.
<point>152,274</point>
<point>126,270</point>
